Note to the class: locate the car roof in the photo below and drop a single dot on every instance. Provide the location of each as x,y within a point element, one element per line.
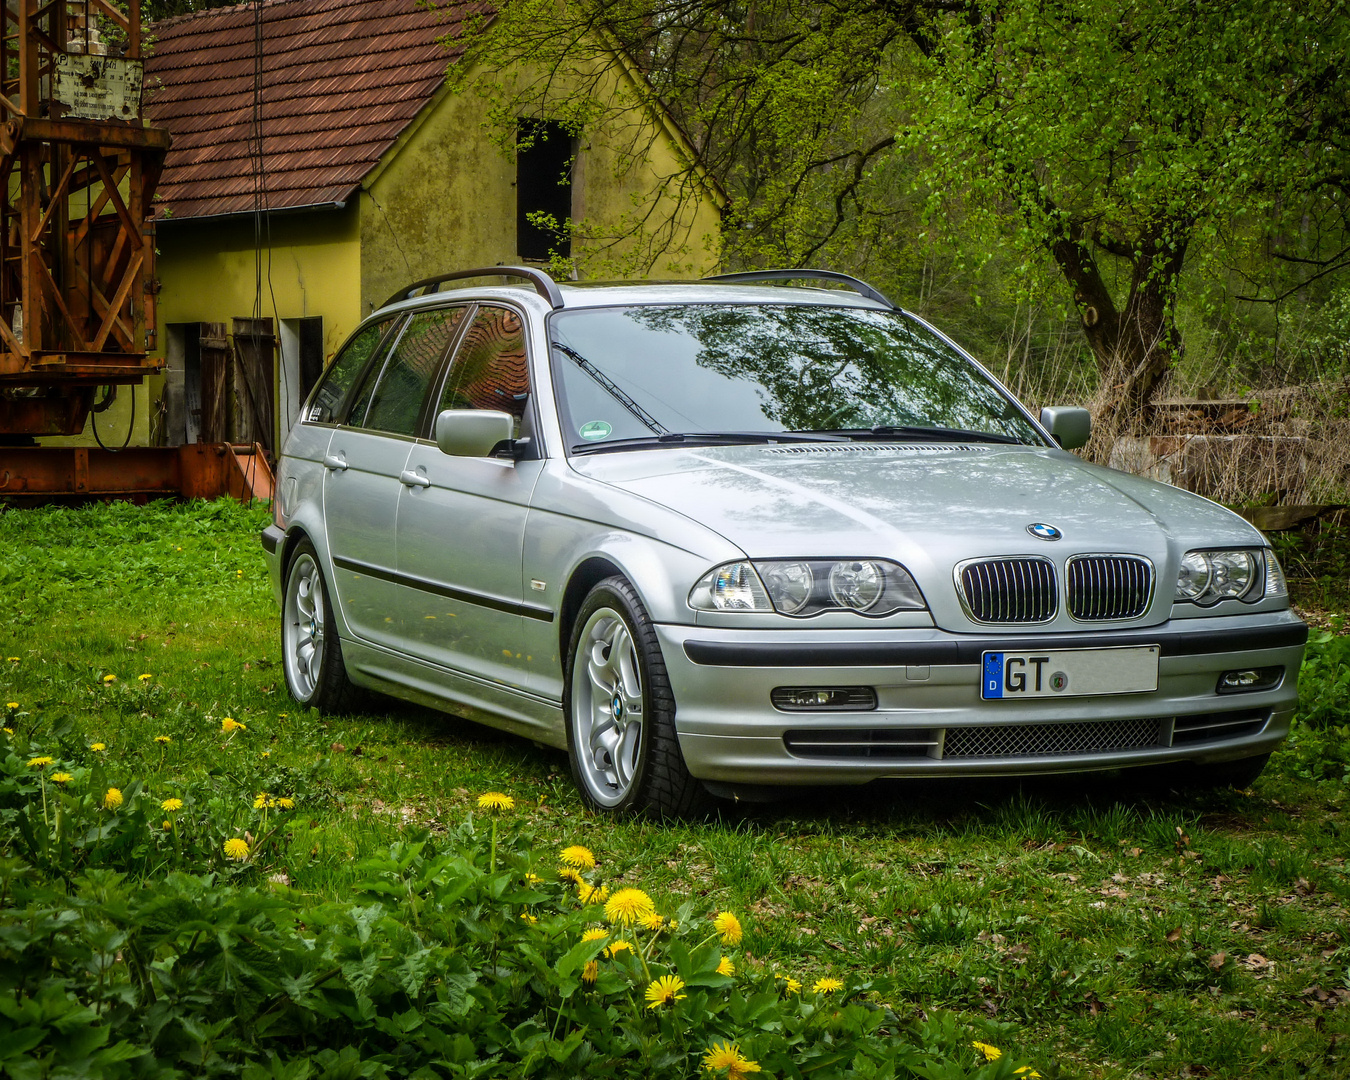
<point>574,295</point>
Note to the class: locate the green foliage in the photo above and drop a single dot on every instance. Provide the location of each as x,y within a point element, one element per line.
<point>452,957</point>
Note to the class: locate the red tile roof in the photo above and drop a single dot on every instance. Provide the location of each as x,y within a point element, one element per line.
<point>341,81</point>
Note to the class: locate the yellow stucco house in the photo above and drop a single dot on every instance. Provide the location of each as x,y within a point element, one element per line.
<point>320,162</point>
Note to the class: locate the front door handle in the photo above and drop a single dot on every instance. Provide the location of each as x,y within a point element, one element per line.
<point>413,479</point>
<point>336,462</point>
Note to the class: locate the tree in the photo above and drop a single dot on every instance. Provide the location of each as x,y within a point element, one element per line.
<point>1120,141</point>
<point>1135,137</point>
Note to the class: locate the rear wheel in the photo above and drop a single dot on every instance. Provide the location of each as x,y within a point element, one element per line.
<point>621,713</point>
<point>311,652</point>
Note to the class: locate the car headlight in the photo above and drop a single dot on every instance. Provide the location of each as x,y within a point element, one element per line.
<point>805,587</point>
<point>1206,577</point>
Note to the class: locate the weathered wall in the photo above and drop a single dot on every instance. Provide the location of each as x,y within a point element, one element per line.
<point>310,267</point>
<point>445,198</point>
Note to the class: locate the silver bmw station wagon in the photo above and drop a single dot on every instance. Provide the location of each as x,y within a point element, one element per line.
<point>715,538</point>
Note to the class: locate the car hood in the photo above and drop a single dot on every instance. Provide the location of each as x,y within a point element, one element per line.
<point>927,506</point>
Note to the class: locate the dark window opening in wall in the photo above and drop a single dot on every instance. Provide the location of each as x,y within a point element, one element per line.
<point>543,186</point>
<point>311,354</point>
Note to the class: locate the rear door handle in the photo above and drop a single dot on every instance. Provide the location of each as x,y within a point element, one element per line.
<point>413,479</point>
<point>336,462</point>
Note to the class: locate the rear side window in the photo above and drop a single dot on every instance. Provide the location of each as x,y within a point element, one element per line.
<point>490,370</point>
<point>402,388</point>
<point>344,371</point>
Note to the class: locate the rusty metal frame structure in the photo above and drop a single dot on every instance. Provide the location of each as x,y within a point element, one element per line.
<point>77,282</point>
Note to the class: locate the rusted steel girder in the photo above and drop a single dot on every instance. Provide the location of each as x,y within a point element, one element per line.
<point>31,475</point>
<point>78,170</point>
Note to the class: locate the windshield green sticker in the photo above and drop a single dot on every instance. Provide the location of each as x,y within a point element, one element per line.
<point>594,429</point>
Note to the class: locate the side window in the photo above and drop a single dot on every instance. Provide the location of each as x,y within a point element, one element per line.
<point>489,370</point>
<point>343,371</point>
<point>402,388</point>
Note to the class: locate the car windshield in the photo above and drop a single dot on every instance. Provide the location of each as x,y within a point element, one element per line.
<point>656,374</point>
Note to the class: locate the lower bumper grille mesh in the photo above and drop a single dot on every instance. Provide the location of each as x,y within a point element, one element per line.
<point>1032,740</point>
<point>1024,740</point>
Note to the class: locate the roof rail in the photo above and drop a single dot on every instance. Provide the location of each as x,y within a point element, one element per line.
<point>860,287</point>
<point>544,285</point>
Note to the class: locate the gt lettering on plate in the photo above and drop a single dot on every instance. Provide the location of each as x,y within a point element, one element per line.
<point>1069,672</point>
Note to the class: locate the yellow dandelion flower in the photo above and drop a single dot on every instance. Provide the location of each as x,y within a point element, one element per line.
<point>11,704</point>
<point>231,724</point>
<point>618,947</point>
<point>528,917</point>
<point>533,878</point>
<point>628,906</point>
<point>594,934</point>
<point>593,894</point>
<point>61,778</point>
<point>171,806</point>
<point>721,1056</point>
<point>145,678</point>
<point>566,873</point>
<point>991,1053</point>
<point>728,928</point>
<point>726,967</point>
<point>260,803</point>
<point>727,1056</point>
<point>109,678</point>
<point>163,740</point>
<point>791,984</point>
<point>112,799</point>
<point>98,746</point>
<point>167,824</point>
<point>12,659</point>
<point>664,991</point>
<point>8,730</point>
<point>495,801</point>
<point>577,856</point>
<point>285,803</point>
<point>653,922</point>
<point>591,971</point>
<point>40,762</point>
<point>236,848</point>
<point>827,986</point>
<point>1028,1072</point>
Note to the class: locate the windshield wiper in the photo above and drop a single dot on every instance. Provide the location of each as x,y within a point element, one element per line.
<point>929,434</point>
<point>611,387</point>
<point>694,438</point>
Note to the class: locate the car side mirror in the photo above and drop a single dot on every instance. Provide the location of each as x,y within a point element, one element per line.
<point>472,432</point>
<point>1070,425</point>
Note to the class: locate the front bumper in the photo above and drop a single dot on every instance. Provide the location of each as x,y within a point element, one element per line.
<point>931,721</point>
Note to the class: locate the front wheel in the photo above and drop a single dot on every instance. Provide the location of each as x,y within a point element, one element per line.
<point>621,713</point>
<point>311,653</point>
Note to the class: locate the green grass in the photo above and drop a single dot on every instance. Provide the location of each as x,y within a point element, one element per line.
<point>1116,933</point>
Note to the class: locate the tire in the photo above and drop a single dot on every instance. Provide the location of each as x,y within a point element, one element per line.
<point>311,652</point>
<point>620,712</point>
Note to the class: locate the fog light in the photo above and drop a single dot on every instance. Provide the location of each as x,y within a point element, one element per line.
<point>824,698</point>
<point>1247,680</point>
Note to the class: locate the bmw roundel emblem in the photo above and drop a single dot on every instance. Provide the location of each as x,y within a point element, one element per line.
<point>1042,531</point>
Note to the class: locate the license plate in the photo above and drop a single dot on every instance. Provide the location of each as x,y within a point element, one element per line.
<point>1070,672</point>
